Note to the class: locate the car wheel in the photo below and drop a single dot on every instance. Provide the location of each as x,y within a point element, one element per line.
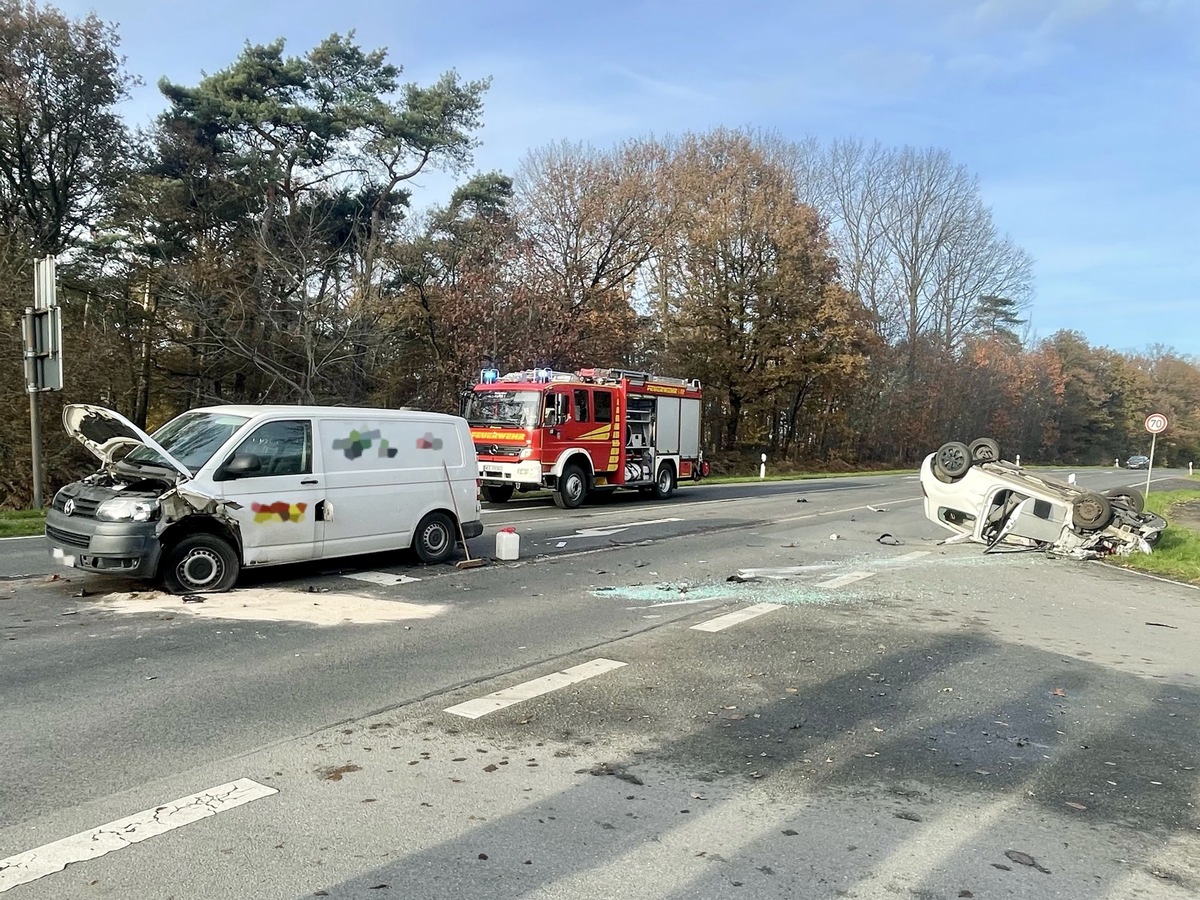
<point>434,538</point>
<point>1091,511</point>
<point>572,488</point>
<point>201,563</point>
<point>984,450</point>
<point>1128,497</point>
<point>664,484</point>
<point>497,493</point>
<point>952,459</point>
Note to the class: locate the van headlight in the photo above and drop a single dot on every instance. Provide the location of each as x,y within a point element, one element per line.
<point>126,509</point>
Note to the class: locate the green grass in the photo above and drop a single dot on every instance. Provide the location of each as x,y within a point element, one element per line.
<point>1177,553</point>
<point>21,522</point>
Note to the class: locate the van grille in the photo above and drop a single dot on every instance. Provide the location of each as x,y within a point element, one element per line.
<point>70,538</point>
<point>85,507</point>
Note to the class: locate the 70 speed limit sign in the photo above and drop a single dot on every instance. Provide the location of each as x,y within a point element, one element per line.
<point>1156,423</point>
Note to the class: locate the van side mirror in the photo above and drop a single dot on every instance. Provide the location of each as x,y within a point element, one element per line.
<point>241,466</point>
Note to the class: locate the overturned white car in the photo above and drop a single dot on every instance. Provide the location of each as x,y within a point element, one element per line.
<point>969,490</point>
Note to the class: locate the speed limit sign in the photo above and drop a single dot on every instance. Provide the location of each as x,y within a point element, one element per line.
<point>1156,423</point>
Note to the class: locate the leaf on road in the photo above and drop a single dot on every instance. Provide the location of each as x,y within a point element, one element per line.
<point>336,773</point>
<point>1074,805</point>
<point>1025,859</point>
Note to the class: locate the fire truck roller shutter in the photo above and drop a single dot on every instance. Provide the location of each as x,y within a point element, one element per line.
<point>667,425</point>
<point>689,428</point>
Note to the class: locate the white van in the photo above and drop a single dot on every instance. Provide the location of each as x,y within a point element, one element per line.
<point>223,487</point>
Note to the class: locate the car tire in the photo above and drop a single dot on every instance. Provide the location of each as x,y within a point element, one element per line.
<point>1091,511</point>
<point>572,488</point>
<point>201,564</point>
<point>497,493</point>
<point>434,538</point>
<point>1128,497</point>
<point>984,450</point>
<point>952,460</point>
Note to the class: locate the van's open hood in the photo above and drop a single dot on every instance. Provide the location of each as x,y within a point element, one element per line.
<point>104,432</point>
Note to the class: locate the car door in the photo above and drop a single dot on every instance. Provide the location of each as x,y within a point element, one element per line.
<point>273,478</point>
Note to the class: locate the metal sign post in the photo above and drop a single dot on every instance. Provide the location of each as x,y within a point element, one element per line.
<point>41,340</point>
<point>1156,423</point>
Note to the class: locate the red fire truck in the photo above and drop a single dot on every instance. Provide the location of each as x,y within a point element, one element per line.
<point>585,432</point>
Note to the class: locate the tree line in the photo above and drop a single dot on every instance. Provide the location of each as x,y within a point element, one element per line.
<point>843,303</point>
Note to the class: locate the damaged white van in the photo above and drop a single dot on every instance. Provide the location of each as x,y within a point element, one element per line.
<point>226,487</point>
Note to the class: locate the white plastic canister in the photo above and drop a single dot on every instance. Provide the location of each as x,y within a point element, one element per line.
<point>508,545</point>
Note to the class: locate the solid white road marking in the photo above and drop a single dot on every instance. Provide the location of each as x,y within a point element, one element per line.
<point>50,858</point>
<point>843,580</point>
<point>720,623</point>
<point>473,709</point>
<point>909,557</point>
<point>387,579</point>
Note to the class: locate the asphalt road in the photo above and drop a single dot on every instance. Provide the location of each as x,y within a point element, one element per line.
<point>895,719</point>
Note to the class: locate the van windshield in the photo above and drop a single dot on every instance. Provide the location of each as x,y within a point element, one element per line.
<point>191,438</point>
<point>517,409</point>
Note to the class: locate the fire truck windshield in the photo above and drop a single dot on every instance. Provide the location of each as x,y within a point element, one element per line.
<point>518,409</point>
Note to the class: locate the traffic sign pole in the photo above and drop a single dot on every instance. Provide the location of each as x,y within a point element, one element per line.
<point>1150,468</point>
<point>1156,423</point>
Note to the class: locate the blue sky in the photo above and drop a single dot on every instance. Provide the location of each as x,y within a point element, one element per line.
<point>1080,117</point>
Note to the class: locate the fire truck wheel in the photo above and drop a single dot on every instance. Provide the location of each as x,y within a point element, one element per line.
<point>572,487</point>
<point>497,493</point>
<point>664,484</point>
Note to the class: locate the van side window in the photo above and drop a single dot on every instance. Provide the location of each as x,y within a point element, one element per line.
<point>604,406</point>
<point>283,448</point>
<point>581,406</point>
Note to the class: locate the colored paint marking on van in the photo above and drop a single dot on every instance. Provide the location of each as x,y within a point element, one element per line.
<point>358,441</point>
<point>281,511</point>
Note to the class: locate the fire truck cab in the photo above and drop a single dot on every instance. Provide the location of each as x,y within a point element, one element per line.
<point>584,433</point>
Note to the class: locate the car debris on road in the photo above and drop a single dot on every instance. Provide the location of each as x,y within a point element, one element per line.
<point>970,491</point>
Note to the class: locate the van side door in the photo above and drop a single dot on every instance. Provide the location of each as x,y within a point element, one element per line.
<point>274,478</point>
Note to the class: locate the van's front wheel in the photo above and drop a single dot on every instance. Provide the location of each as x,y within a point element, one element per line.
<point>201,563</point>
<point>434,540</point>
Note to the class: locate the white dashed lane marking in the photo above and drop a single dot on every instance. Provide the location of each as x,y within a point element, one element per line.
<point>843,580</point>
<point>751,612</point>
<point>909,557</point>
<point>473,709</point>
<point>51,858</point>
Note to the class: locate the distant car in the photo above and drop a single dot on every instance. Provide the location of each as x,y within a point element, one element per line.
<point>969,490</point>
<point>1137,462</point>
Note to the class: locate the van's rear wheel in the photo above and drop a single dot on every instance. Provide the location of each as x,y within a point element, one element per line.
<point>201,563</point>
<point>434,539</point>
<point>497,493</point>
